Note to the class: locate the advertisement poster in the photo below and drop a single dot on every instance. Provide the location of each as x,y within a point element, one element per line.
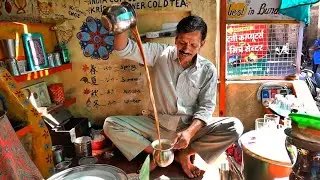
<point>247,45</point>
<point>254,10</point>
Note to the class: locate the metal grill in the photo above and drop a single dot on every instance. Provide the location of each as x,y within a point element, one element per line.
<point>261,51</point>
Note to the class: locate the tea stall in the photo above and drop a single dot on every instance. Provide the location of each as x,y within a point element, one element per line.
<point>61,79</point>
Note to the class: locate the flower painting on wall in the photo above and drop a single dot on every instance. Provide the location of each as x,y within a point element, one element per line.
<point>95,41</point>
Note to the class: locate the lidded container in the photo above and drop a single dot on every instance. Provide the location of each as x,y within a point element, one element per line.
<point>83,146</point>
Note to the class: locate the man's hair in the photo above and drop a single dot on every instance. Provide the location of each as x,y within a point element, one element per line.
<point>191,24</point>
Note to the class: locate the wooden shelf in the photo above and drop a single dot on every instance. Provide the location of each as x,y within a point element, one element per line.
<point>20,133</point>
<point>67,103</point>
<point>42,73</point>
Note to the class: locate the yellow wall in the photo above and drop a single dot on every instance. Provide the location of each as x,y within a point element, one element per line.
<point>111,93</point>
<point>241,97</point>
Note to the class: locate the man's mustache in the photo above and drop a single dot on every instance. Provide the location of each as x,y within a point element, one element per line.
<point>184,52</point>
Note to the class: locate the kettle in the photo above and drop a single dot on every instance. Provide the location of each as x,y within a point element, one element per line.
<point>119,18</point>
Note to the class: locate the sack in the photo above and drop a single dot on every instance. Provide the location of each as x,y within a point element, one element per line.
<point>56,93</point>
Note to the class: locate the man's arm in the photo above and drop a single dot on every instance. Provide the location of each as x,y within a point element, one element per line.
<point>128,49</point>
<point>195,126</point>
<point>120,41</point>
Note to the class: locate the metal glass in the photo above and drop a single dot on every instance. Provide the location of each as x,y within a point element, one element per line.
<point>165,156</point>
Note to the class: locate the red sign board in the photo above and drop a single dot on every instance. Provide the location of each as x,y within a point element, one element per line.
<point>246,43</point>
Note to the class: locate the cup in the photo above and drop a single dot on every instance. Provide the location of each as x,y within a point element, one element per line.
<point>57,59</point>
<point>163,157</point>
<point>272,118</point>
<point>260,124</point>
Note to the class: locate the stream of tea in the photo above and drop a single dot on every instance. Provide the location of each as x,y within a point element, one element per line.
<point>136,35</point>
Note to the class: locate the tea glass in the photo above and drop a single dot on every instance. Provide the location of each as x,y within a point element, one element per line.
<point>165,156</point>
<point>272,119</point>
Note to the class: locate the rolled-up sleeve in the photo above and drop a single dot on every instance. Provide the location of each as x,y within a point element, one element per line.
<point>152,52</point>
<point>207,96</point>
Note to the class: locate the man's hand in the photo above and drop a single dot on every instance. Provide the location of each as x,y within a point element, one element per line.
<point>182,140</point>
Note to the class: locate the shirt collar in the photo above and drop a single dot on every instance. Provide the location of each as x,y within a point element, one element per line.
<point>197,64</point>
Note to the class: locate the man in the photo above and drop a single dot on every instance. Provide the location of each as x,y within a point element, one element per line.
<point>316,55</point>
<point>184,84</point>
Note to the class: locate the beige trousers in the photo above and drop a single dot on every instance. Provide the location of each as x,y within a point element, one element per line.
<point>132,134</point>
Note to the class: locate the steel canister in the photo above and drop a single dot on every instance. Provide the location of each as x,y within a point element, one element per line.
<point>57,152</point>
<point>83,146</point>
<point>51,60</point>
<point>57,59</point>
<point>13,67</point>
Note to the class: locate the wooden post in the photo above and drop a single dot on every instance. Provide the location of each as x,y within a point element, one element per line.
<point>222,86</point>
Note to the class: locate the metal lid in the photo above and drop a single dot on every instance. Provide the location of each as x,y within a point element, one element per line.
<point>88,160</point>
<point>63,165</point>
<point>92,172</point>
<point>83,140</point>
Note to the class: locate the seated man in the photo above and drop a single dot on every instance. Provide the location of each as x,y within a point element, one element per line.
<point>184,84</point>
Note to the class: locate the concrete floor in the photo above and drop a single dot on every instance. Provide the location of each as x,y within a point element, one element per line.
<point>174,171</point>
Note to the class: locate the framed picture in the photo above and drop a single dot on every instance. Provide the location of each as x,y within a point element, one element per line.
<point>35,51</point>
<point>38,94</point>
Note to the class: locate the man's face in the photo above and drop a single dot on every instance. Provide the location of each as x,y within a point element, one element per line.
<point>188,45</point>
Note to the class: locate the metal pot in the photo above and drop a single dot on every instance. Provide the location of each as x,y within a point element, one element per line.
<point>83,146</point>
<point>163,157</point>
<point>119,18</point>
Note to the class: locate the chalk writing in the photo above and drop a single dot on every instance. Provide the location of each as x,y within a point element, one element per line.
<point>93,69</point>
<point>86,80</point>
<point>94,80</point>
<point>110,79</point>
<point>132,101</point>
<point>128,67</point>
<point>76,12</point>
<point>109,103</point>
<point>131,91</point>
<point>94,93</point>
<point>96,104</point>
<point>124,79</point>
<point>109,91</point>
<point>108,68</point>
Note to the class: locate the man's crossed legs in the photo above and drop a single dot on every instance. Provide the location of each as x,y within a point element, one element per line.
<point>134,134</point>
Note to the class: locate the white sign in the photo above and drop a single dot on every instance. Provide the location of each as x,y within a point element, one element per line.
<point>254,10</point>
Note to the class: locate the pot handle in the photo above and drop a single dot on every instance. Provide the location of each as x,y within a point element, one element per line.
<point>292,151</point>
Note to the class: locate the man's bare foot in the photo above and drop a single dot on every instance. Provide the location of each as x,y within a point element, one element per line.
<point>184,159</point>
